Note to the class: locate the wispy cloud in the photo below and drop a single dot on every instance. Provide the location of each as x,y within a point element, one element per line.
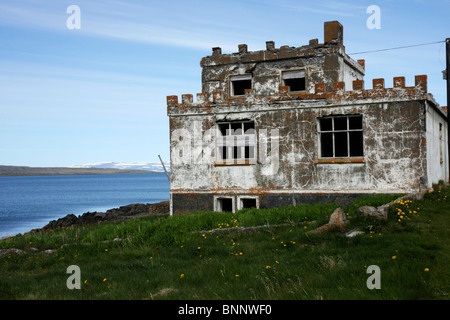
<point>340,8</point>
<point>124,21</point>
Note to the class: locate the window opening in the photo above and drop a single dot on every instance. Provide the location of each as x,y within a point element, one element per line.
<point>295,80</point>
<point>248,203</point>
<point>236,142</point>
<point>341,136</point>
<point>240,83</point>
<point>225,204</point>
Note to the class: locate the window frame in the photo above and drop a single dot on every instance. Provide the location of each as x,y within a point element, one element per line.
<point>218,205</point>
<point>333,131</point>
<point>240,204</point>
<point>290,74</point>
<point>240,77</point>
<point>234,139</point>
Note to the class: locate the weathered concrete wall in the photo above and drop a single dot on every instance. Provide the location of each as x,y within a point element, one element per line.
<point>437,155</point>
<point>394,152</point>
<point>400,134</point>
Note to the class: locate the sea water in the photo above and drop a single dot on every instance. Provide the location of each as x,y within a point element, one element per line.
<point>30,202</point>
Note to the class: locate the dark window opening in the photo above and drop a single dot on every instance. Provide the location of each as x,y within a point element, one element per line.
<point>340,124</point>
<point>355,122</point>
<point>295,84</point>
<point>239,86</point>
<point>236,128</point>
<point>356,144</point>
<point>326,144</point>
<point>249,152</point>
<point>226,204</point>
<point>295,80</point>
<point>248,203</point>
<point>236,141</point>
<point>236,153</point>
<point>326,124</point>
<point>340,144</point>
<point>341,136</point>
<point>223,153</point>
<point>249,127</point>
<point>223,127</point>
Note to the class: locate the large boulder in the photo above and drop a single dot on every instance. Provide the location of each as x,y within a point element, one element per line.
<point>338,218</point>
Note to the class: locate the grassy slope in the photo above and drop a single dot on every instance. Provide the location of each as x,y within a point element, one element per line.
<point>166,258</point>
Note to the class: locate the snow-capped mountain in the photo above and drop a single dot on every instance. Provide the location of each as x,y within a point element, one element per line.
<point>150,166</point>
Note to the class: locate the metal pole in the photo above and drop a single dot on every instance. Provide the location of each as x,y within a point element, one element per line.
<point>164,167</point>
<point>447,46</point>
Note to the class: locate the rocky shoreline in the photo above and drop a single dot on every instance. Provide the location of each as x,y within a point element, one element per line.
<point>130,211</point>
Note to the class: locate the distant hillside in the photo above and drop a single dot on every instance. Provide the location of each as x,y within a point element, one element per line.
<point>149,166</point>
<point>38,171</point>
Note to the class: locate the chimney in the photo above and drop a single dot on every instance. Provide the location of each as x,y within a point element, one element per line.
<point>216,51</point>
<point>242,48</point>
<point>270,45</point>
<point>333,32</point>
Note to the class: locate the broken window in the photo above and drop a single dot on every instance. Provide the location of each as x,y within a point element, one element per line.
<point>236,143</point>
<point>240,83</point>
<point>247,203</point>
<point>295,80</point>
<point>341,136</point>
<point>224,205</point>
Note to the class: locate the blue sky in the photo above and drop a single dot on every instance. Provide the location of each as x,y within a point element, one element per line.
<point>70,97</point>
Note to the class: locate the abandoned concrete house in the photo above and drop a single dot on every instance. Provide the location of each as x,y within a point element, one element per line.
<point>290,125</point>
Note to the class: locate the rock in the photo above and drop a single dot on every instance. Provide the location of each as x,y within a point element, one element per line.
<point>67,221</point>
<point>381,212</point>
<point>125,212</point>
<point>352,233</point>
<point>49,252</point>
<point>11,252</point>
<point>338,219</point>
<point>320,229</point>
<point>367,210</point>
<point>162,207</point>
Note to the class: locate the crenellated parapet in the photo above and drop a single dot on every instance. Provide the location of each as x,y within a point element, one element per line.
<point>338,94</point>
<point>333,43</point>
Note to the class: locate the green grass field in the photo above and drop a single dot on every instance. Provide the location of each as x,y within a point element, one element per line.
<point>163,257</point>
